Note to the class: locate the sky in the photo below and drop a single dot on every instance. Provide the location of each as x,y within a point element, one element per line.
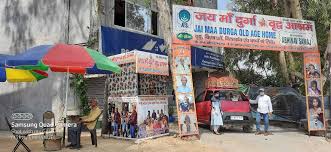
<point>221,4</point>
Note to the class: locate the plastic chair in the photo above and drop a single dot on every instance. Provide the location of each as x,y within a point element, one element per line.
<point>19,137</point>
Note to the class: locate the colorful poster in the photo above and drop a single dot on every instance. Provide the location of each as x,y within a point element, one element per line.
<point>152,116</point>
<point>123,58</point>
<point>314,92</point>
<point>149,63</point>
<point>209,27</point>
<point>183,85</point>
<point>145,62</point>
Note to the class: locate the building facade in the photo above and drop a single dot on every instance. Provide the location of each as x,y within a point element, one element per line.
<point>27,23</point>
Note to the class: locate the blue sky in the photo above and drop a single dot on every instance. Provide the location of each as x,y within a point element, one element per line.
<point>221,4</point>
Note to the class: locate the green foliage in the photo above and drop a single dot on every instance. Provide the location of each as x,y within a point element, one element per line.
<point>80,88</point>
<point>179,2</point>
<point>320,12</point>
<point>315,10</point>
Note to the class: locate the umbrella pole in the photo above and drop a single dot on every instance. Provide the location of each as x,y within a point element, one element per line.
<point>66,108</point>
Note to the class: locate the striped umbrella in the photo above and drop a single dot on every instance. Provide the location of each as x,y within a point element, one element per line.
<point>64,58</point>
<point>18,75</point>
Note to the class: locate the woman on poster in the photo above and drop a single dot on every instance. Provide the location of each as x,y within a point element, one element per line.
<point>216,115</point>
<point>313,90</point>
<point>315,111</point>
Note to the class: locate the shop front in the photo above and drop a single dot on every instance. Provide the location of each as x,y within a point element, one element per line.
<point>138,101</point>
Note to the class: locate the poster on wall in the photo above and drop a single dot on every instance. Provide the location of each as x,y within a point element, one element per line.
<point>152,116</point>
<point>145,62</point>
<point>183,85</point>
<point>222,28</point>
<point>149,63</point>
<point>314,92</point>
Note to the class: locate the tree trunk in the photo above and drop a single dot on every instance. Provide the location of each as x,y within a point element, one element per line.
<point>327,63</point>
<point>165,23</point>
<point>294,11</point>
<point>283,66</point>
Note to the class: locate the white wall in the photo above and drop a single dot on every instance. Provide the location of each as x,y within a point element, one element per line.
<point>27,23</point>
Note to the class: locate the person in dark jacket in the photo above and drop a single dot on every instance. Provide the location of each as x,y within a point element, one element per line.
<point>117,119</point>
<point>133,122</point>
<point>154,115</point>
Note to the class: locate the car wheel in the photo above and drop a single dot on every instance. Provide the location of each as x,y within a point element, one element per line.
<point>247,128</point>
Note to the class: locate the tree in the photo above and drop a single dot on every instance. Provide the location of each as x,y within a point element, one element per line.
<point>318,11</point>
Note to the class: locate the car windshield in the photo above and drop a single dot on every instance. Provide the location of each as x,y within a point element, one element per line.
<point>232,95</point>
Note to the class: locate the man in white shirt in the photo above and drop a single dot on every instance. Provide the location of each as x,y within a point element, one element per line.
<point>183,66</point>
<point>184,88</point>
<point>264,109</point>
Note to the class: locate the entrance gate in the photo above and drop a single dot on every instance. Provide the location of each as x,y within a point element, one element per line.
<point>209,27</point>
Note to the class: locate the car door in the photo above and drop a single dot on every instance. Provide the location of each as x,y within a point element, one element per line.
<point>199,102</point>
<point>205,107</point>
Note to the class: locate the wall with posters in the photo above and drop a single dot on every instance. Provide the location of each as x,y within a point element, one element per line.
<point>314,92</point>
<point>143,73</point>
<point>124,84</point>
<point>152,115</point>
<point>209,27</point>
<point>183,86</point>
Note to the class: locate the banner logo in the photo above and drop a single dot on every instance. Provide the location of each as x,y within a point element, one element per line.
<point>184,16</point>
<point>184,36</point>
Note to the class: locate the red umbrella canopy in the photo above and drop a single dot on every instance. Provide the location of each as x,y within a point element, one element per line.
<point>63,58</point>
<point>68,58</point>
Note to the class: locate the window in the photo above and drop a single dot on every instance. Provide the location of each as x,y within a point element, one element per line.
<point>200,97</point>
<point>154,23</point>
<point>135,17</point>
<point>209,95</point>
<point>119,17</point>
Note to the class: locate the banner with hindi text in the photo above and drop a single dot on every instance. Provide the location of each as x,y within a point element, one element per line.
<point>208,27</point>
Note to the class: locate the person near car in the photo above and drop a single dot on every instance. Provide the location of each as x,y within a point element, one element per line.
<point>216,116</point>
<point>264,109</point>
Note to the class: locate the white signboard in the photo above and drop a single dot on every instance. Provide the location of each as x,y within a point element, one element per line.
<point>209,27</point>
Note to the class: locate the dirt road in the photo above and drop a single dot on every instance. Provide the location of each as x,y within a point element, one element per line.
<point>290,140</point>
<point>283,140</point>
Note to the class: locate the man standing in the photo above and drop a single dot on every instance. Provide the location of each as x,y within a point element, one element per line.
<point>117,119</point>
<point>265,110</point>
<point>133,122</point>
<point>124,122</point>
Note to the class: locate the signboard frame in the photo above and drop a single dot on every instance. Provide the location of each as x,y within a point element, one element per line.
<point>208,27</point>
<point>312,74</point>
<point>293,36</point>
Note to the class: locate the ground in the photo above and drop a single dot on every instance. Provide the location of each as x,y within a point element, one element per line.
<point>230,141</point>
